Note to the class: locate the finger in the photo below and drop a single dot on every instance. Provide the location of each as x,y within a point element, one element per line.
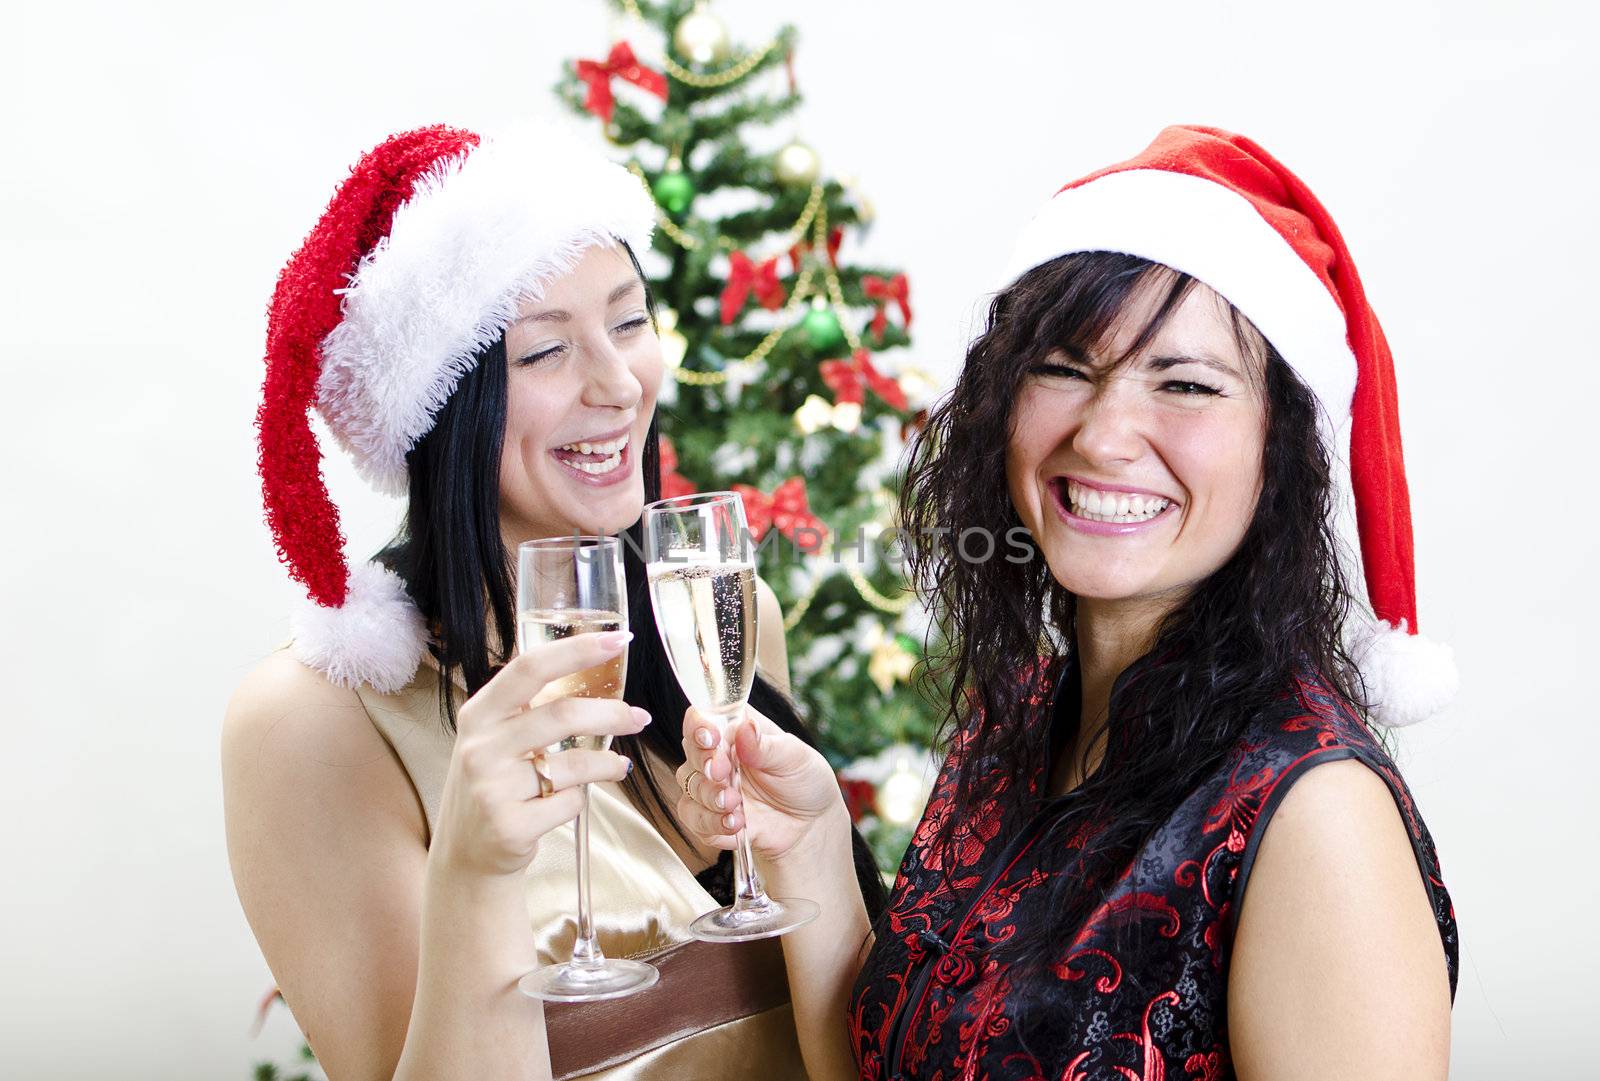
<point>515,685</point>
<point>700,737</point>
<point>549,724</point>
<point>762,745</point>
<point>571,769</point>
<point>715,796</point>
<point>694,784</point>
<point>710,826</point>
<point>538,817</point>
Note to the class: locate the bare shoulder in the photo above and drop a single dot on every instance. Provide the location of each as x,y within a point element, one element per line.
<point>1337,966</point>
<point>328,847</point>
<point>288,731</point>
<point>282,693</point>
<point>772,650</point>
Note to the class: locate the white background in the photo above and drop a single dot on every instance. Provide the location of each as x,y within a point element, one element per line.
<point>162,160</point>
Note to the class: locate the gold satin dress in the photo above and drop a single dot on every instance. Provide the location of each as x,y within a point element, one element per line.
<point>644,899</point>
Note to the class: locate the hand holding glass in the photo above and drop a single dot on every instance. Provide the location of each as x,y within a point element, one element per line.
<point>702,572</point>
<point>567,586</point>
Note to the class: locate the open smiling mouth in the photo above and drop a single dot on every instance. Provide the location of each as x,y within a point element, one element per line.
<point>595,459</point>
<point>1111,508</point>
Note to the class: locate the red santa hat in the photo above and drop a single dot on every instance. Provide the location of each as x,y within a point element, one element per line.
<point>1218,207</point>
<point>419,262</point>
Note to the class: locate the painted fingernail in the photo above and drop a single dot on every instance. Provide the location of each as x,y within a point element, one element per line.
<point>615,639</point>
<point>722,800</point>
<point>641,715</point>
<point>703,738</point>
<point>727,821</point>
<point>627,766</point>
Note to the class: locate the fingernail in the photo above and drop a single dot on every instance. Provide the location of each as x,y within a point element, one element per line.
<point>702,738</point>
<point>615,639</point>
<point>722,800</point>
<point>727,821</point>
<point>641,715</point>
<point>627,766</point>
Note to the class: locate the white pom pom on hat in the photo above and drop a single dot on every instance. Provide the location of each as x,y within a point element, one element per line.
<point>375,637</point>
<point>1218,207</point>
<point>419,261</point>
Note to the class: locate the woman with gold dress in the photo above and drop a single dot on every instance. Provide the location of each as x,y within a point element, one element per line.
<point>470,320</point>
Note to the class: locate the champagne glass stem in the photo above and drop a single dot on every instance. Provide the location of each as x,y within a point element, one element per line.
<point>748,892</point>
<point>586,950</point>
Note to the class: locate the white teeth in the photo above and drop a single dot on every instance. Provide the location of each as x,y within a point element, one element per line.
<point>597,448</point>
<point>601,467</point>
<point>1113,506</point>
<point>612,451</point>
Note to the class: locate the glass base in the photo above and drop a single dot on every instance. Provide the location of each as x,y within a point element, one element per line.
<point>571,982</point>
<point>766,920</point>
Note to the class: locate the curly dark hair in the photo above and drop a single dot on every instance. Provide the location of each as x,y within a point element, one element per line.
<point>1233,646</point>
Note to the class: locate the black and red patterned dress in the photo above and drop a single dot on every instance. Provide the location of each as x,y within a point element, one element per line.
<point>1140,991</point>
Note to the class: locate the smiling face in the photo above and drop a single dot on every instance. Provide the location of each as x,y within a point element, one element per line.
<point>1137,467</point>
<point>583,369</point>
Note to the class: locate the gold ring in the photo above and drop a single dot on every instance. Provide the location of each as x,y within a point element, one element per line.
<point>688,783</point>
<point>541,770</point>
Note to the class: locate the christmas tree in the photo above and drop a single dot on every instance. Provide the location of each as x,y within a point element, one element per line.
<point>778,388</point>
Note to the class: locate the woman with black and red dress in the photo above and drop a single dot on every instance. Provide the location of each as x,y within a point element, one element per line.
<point>1124,516</point>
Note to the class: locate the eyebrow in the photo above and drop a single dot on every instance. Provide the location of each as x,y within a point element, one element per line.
<point>1162,363</point>
<point>561,315</point>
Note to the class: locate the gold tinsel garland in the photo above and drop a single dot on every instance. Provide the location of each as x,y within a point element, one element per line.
<point>731,74</point>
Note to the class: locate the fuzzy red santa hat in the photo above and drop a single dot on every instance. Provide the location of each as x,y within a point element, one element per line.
<point>1218,207</point>
<point>419,261</point>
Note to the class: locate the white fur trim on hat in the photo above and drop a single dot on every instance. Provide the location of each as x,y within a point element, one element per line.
<point>478,235</point>
<point>377,637</point>
<point>1214,234</point>
<point>1408,678</point>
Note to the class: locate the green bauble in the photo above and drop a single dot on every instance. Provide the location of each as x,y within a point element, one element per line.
<point>822,329</point>
<point>674,191</point>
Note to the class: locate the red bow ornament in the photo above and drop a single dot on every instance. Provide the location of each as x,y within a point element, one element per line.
<point>881,292</point>
<point>835,238</point>
<point>848,379</point>
<point>786,510</point>
<point>859,796</point>
<point>745,276</point>
<point>673,483</point>
<point>620,63</point>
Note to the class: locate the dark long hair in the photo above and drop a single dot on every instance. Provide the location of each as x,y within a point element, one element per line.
<point>456,566</point>
<point>1231,648</point>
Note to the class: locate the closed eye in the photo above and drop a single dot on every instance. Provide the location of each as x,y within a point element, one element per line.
<point>1046,368</point>
<point>632,324</point>
<point>543,354</point>
<point>1184,387</point>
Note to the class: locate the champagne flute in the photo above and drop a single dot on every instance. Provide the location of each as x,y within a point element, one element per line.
<point>701,566</point>
<point>567,586</point>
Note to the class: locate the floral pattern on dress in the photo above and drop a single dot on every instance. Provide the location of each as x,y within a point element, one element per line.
<point>1140,990</point>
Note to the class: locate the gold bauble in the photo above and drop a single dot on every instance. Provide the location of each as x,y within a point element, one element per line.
<point>847,416</point>
<point>864,209</point>
<point>701,37</point>
<point>814,414</point>
<point>673,344</point>
<point>798,164</point>
<point>902,795</point>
